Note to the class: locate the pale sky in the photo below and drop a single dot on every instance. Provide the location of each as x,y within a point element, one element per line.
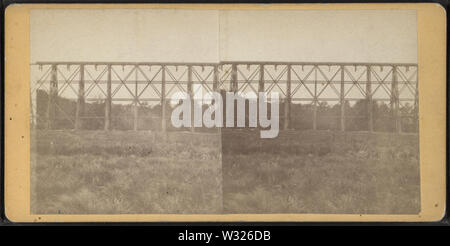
<point>319,36</point>
<point>124,35</point>
<point>165,35</point>
<point>212,35</point>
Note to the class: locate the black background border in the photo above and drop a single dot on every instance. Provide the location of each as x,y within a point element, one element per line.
<point>168,231</point>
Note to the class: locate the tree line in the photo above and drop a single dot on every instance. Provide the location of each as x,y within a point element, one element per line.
<point>328,116</point>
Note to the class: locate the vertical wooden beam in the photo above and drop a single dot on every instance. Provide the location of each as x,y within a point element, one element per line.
<point>342,98</point>
<point>33,111</point>
<point>191,95</point>
<point>163,98</point>
<point>260,84</point>
<point>108,101</point>
<point>315,100</point>
<point>416,103</point>
<point>369,99</point>
<point>136,100</point>
<point>287,103</point>
<point>80,102</point>
<point>234,83</point>
<point>215,84</point>
<point>395,101</point>
<point>52,98</point>
<point>216,77</point>
<point>397,105</point>
<point>261,78</point>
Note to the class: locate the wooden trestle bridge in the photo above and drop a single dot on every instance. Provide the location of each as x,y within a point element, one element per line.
<point>152,82</point>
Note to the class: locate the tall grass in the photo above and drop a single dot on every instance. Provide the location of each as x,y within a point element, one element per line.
<point>125,172</point>
<point>320,172</point>
<point>87,172</point>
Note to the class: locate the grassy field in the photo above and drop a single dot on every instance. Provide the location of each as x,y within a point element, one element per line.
<point>125,172</point>
<point>320,172</point>
<point>232,172</point>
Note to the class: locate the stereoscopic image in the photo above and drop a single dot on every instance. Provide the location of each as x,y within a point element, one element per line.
<point>176,111</point>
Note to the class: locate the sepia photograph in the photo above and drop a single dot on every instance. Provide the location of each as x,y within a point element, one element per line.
<point>224,111</point>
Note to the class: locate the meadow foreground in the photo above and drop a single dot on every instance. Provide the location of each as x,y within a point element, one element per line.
<point>100,172</point>
<point>97,172</point>
<point>320,172</point>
